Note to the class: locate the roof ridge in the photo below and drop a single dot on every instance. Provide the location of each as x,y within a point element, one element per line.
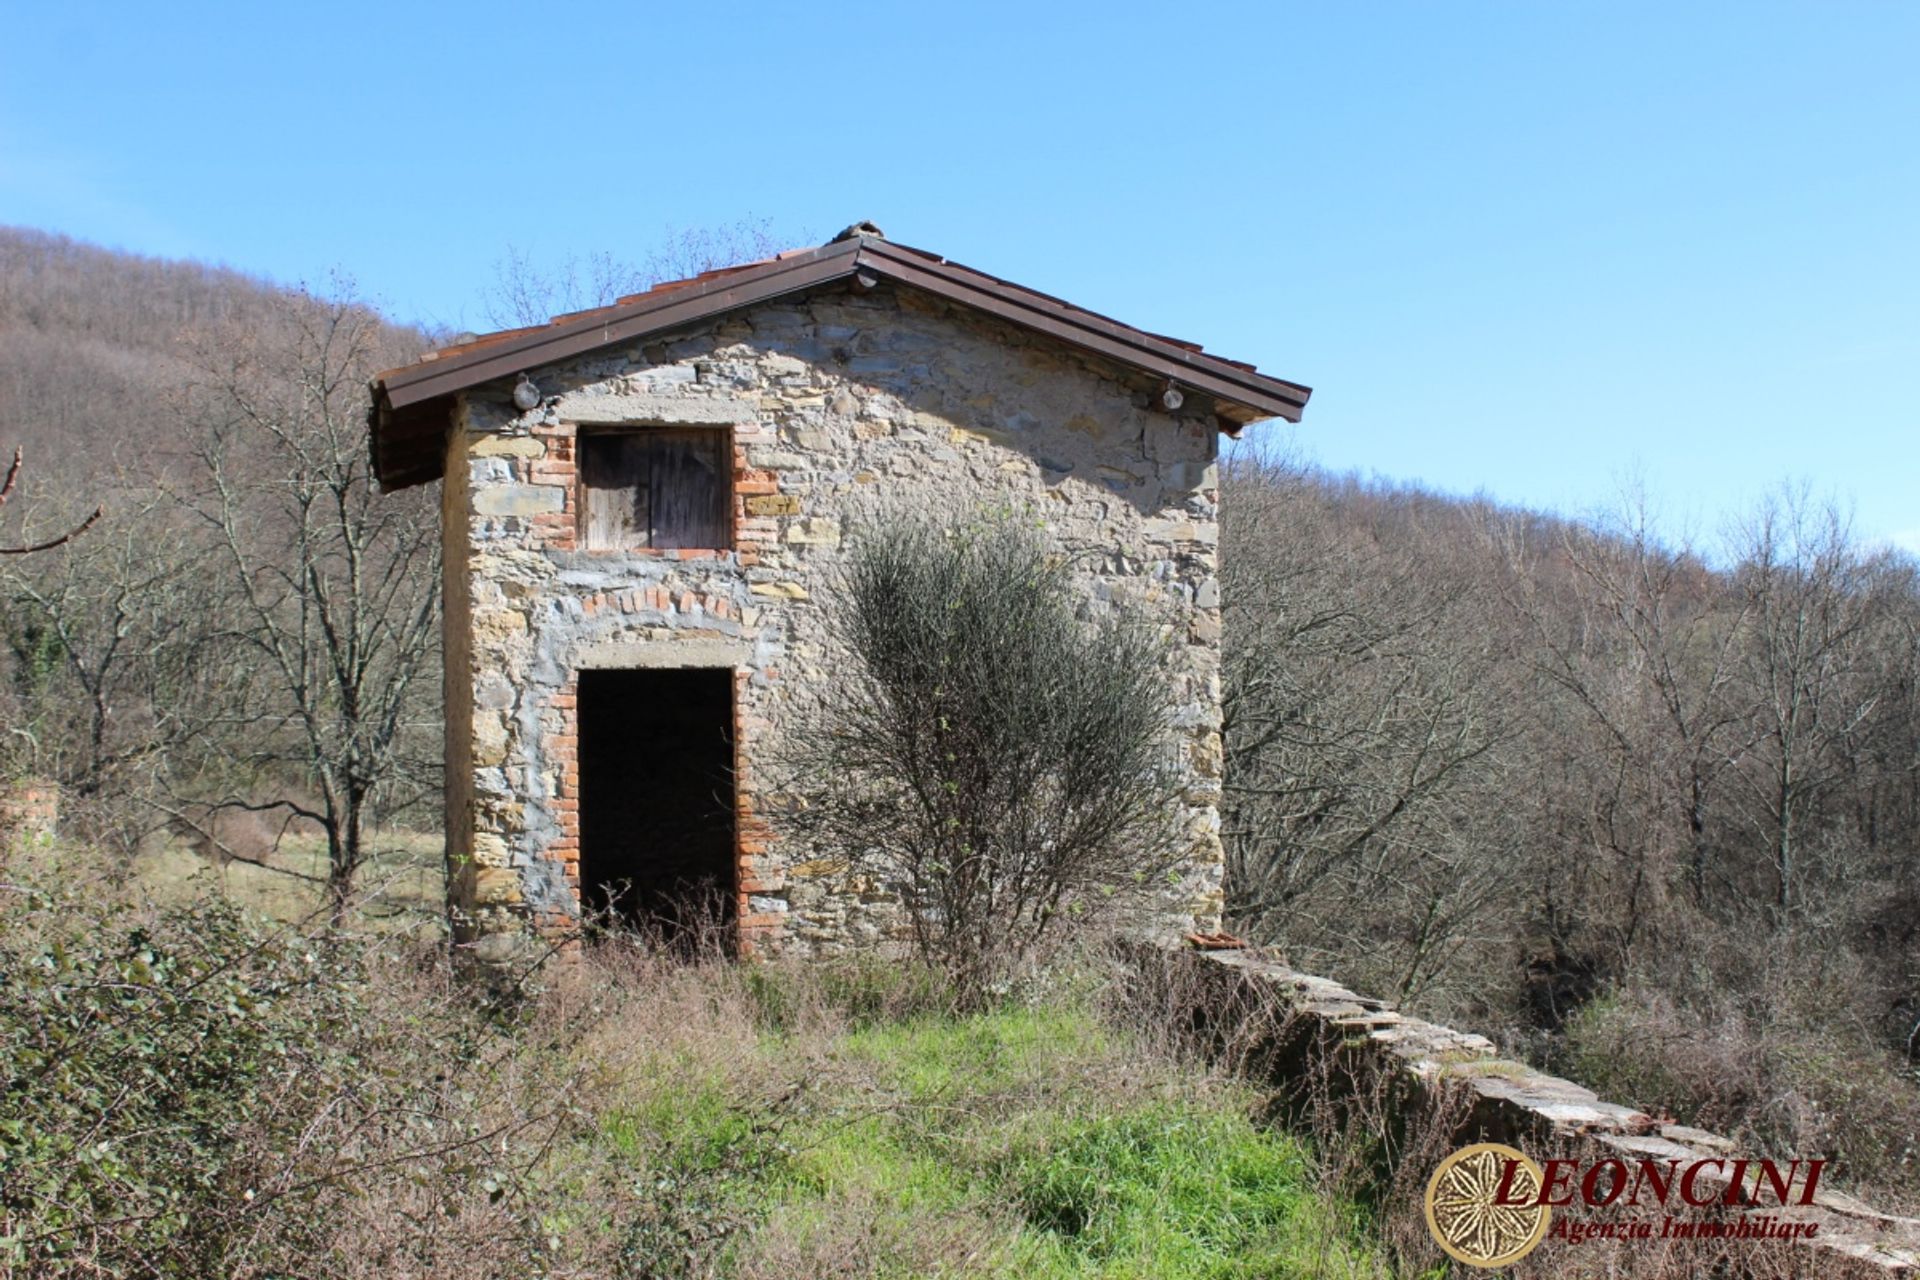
<point>1239,390</point>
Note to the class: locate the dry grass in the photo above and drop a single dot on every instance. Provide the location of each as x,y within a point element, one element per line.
<point>641,1115</point>
<point>401,885</point>
<point>336,1106</point>
<point>1790,1070</point>
<point>1377,1136</point>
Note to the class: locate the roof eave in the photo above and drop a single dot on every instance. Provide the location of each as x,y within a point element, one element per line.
<point>414,383</point>
<point>1247,395</point>
<point>1266,396</point>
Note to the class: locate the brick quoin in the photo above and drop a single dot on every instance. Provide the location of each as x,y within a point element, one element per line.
<point>558,531</point>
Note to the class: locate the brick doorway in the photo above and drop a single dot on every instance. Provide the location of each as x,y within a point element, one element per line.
<point>657,810</point>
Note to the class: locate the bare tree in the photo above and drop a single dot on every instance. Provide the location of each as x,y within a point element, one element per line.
<point>1363,732</point>
<point>112,662</point>
<point>1812,599</point>
<point>29,547</point>
<point>524,293</point>
<point>1640,645</point>
<point>327,591</point>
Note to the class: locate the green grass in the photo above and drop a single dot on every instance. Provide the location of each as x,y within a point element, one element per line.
<point>838,1120</point>
<point>632,1114</point>
<point>1028,1141</point>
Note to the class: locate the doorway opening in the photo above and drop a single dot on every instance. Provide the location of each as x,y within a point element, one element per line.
<point>657,812</point>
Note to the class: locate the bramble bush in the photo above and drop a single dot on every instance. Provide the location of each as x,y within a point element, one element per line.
<point>189,1091</point>
<point>135,1052</point>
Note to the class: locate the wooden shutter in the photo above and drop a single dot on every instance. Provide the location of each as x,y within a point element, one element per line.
<point>690,492</point>
<point>655,487</point>
<point>613,487</point>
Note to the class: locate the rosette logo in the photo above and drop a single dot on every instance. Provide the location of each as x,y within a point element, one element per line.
<point>1484,1205</point>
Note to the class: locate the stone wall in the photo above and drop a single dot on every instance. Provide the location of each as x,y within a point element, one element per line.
<point>477,900</point>
<point>1304,1034</point>
<point>843,407</point>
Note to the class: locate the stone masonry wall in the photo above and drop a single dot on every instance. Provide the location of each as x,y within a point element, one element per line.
<point>1313,1039</point>
<point>842,407</point>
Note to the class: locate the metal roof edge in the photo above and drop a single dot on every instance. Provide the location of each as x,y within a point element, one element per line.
<point>426,379</point>
<point>678,304</point>
<point>1224,379</point>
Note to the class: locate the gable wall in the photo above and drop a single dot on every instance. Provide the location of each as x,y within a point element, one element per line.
<point>842,406</point>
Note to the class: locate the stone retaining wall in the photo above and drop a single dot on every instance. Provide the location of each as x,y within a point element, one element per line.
<point>1289,1028</point>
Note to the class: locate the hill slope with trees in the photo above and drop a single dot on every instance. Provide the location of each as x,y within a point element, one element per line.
<point>1647,812</point>
<point>249,634</point>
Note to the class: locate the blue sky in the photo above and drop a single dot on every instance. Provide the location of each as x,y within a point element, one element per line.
<point>1536,250</point>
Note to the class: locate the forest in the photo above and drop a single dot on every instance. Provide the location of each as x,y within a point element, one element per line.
<point>1643,807</point>
<point>1645,811</point>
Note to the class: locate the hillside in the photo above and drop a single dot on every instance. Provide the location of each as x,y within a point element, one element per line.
<point>1648,821</point>
<point>97,346</point>
<point>1647,813</point>
<point>160,668</point>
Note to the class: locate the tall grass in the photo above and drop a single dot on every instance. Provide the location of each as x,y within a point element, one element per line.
<point>186,1090</point>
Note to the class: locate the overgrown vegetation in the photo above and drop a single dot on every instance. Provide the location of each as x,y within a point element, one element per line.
<point>1000,760</point>
<point>1646,812</point>
<point>250,629</point>
<point>188,1091</point>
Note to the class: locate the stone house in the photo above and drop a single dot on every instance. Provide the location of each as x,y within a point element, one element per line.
<point>643,506</point>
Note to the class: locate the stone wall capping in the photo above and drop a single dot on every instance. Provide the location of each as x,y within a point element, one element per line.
<point>1306,1027</point>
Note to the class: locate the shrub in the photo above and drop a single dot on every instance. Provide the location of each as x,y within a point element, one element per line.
<point>1000,761</point>
<point>133,1052</point>
<point>188,1091</point>
<point>1784,1075</point>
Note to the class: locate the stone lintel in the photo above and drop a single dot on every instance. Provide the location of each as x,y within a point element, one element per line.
<point>619,655</point>
<point>663,410</point>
